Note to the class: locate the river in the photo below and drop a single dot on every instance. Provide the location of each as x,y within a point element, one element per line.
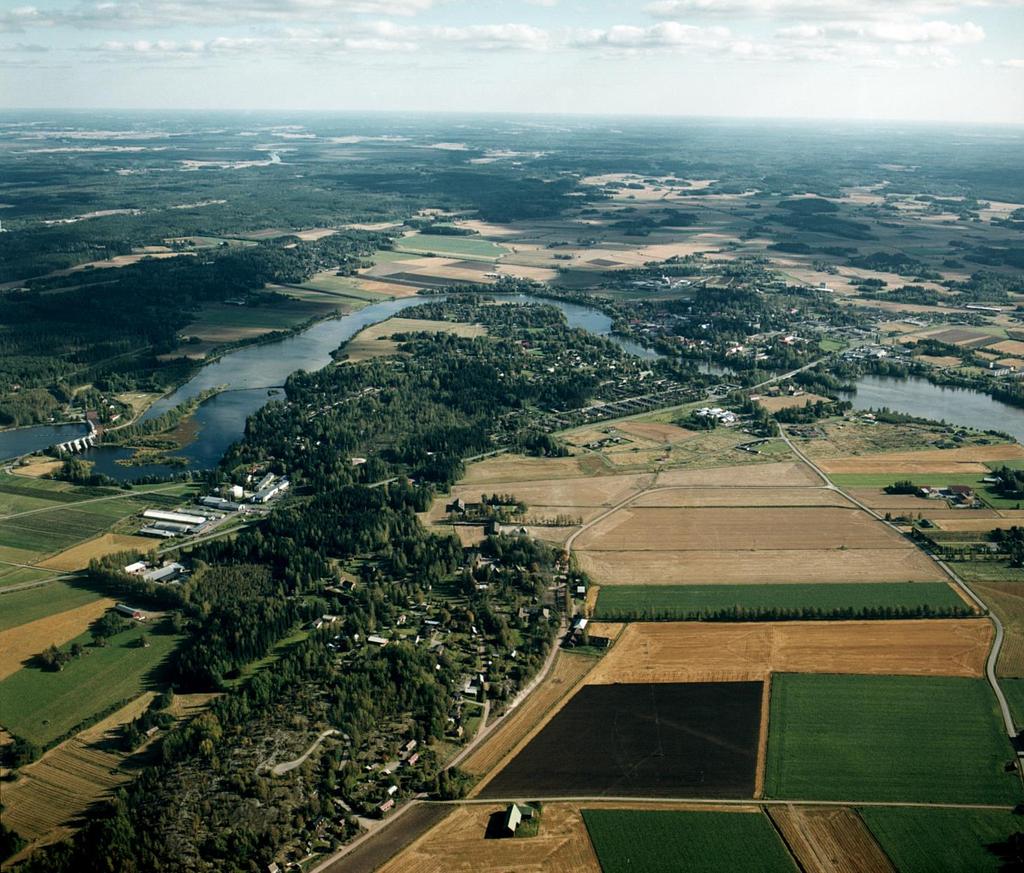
<point>959,406</point>
<point>252,376</point>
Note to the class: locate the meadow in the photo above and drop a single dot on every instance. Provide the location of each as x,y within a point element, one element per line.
<point>887,738</point>
<point>45,706</point>
<point>20,607</point>
<point>696,842</point>
<point>682,602</point>
<point>456,246</point>
<point>942,840</point>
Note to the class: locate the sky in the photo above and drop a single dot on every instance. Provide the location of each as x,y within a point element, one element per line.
<point>928,60</point>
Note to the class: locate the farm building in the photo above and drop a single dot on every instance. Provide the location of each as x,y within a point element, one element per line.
<point>515,815</point>
<point>214,502</point>
<point>177,517</point>
<point>150,531</point>
<point>130,611</point>
<point>136,568</point>
<point>167,573</point>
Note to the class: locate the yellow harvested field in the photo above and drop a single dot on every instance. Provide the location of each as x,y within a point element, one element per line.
<point>510,730</point>
<point>653,430</point>
<point>458,844</point>
<point>519,468</point>
<point>706,652</point>
<point>765,567</point>
<point>968,460</point>
<point>37,467</point>
<point>940,360</point>
<point>591,491</point>
<point>744,475</point>
<point>50,797</point>
<point>829,840</point>
<point>786,401</point>
<point>375,341</point>
<point>19,644</point>
<point>730,528</point>
<point>78,557</point>
<point>688,496</point>
<point>976,525</point>
<point>1008,347</point>
<point>1006,600</point>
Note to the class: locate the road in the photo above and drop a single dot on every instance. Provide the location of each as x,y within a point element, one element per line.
<point>997,642</point>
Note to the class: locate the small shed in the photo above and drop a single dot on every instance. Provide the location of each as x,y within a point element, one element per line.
<point>515,815</point>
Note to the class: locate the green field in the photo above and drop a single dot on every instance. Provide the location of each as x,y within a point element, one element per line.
<point>988,571</point>
<point>898,738</point>
<point>694,602</point>
<point>453,246</point>
<point>43,706</point>
<point>942,840</point>
<point>1014,691</point>
<point>11,575</point>
<point>21,607</point>
<point>695,842</point>
<point>341,286</point>
<point>24,494</point>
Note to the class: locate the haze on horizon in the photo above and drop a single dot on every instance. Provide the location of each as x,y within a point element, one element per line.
<point>942,60</point>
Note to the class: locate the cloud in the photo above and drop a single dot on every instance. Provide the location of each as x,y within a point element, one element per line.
<point>817,10</point>
<point>136,14</point>
<point>669,34</point>
<point>938,32</point>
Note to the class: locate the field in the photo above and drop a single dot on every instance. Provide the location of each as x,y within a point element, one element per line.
<point>375,341</point>
<point>78,557</point>
<point>759,497</point>
<point>1006,600</point>
<point>967,460</point>
<point>24,642</point>
<point>457,246</point>
<point>778,566</point>
<point>1014,691</point>
<point>568,670</point>
<point>774,404</point>
<point>457,845</point>
<point>678,602</point>
<point>29,604</point>
<point>942,840</point>
<point>642,740</point>
<point>44,706</point>
<point>739,529</point>
<point>887,738</point>
<point>707,652</point>
<point>696,842</point>
<point>829,840</point>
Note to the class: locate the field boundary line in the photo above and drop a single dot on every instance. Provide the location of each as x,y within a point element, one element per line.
<point>761,765</point>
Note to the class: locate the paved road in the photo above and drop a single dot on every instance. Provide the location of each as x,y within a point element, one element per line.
<point>997,642</point>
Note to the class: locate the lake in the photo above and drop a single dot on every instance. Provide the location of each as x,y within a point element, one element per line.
<point>959,406</point>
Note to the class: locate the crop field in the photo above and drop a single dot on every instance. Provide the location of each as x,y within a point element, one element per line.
<point>731,528</point>
<point>829,840</point>
<point>457,845</point>
<point>887,738</point>
<point>1006,600</point>
<point>774,404</point>
<point>20,644</point>
<point>643,740</point>
<point>43,706</point>
<point>375,341</point>
<point>679,602</point>
<point>20,607</point>
<point>966,460</point>
<point>78,557</point>
<point>942,840</point>
<point>854,439</point>
<point>695,842</point>
<point>746,567</point>
<point>513,728</point>
<point>688,496</point>
<point>22,494</point>
<point>774,475</point>
<point>12,574</point>
<point>1014,691</point>
<point>457,246</point>
<point>708,652</point>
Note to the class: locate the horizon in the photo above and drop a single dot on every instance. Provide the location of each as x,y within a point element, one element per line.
<point>941,61</point>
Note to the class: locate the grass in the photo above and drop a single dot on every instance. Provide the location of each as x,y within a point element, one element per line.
<point>988,571</point>
<point>887,738</point>
<point>21,607</point>
<point>345,286</point>
<point>454,246</point>
<point>679,602</point>
<point>1014,691</point>
<point>272,657</point>
<point>941,840</point>
<point>13,575</point>
<point>831,345</point>
<point>975,480</point>
<point>43,706</point>
<point>696,842</point>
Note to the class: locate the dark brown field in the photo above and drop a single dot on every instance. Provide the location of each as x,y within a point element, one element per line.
<point>646,740</point>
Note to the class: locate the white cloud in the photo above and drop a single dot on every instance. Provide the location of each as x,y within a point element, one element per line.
<point>669,34</point>
<point>938,32</point>
<point>817,10</point>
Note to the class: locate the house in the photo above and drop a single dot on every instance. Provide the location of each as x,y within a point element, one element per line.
<point>167,573</point>
<point>458,505</point>
<point>375,640</point>
<point>136,568</point>
<point>515,815</point>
